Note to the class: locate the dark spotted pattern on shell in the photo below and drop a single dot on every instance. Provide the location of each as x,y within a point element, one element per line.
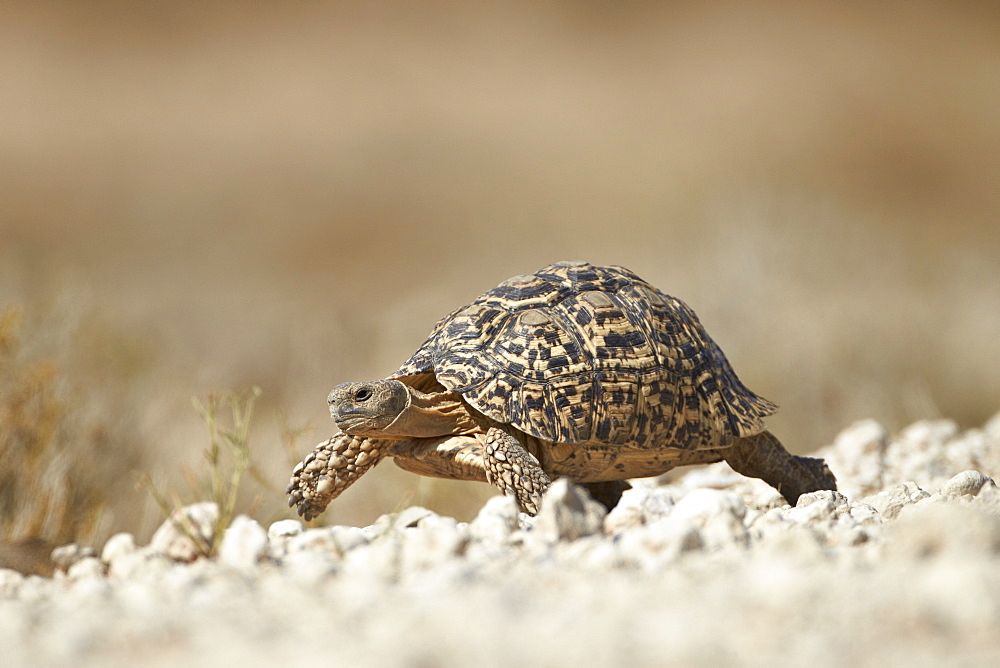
<point>576,353</point>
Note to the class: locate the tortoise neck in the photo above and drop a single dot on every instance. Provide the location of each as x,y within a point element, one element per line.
<point>431,414</point>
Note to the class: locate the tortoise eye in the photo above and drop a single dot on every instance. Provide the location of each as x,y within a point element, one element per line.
<point>363,394</point>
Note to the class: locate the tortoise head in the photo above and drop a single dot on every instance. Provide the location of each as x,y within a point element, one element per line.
<point>393,409</point>
<point>366,409</point>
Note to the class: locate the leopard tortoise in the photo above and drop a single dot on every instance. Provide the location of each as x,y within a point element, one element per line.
<point>579,371</point>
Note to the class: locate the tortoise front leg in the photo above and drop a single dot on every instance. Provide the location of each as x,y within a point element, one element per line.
<point>514,470</point>
<point>330,469</point>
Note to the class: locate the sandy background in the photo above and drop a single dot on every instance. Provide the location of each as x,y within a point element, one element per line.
<point>289,196</point>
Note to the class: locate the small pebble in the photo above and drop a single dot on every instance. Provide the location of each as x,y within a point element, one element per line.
<point>173,540</point>
<point>119,545</point>
<point>243,543</point>
<point>568,513</point>
<point>65,556</point>
<point>285,529</point>
<point>967,483</point>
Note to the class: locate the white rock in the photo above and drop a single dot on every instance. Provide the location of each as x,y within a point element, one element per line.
<point>865,514</point>
<point>846,532</point>
<point>762,497</point>
<point>379,560</point>
<point>970,450</point>
<point>346,539</point>
<point>411,516</point>
<point>89,567</point>
<point>639,505</point>
<point>90,590</point>
<point>822,506</point>
<point>285,529</point>
<point>436,540</point>
<point>718,514</point>
<point>308,567</point>
<point>243,543</point>
<point>568,513</point>
<point>10,582</point>
<point>382,525</point>
<point>118,546</point>
<point>791,540</point>
<point>864,437</point>
<point>857,457</point>
<point>172,539</point>
<point>128,566</point>
<point>928,432</point>
<point>701,505</point>
<point>659,542</point>
<point>590,553</point>
<point>889,502</point>
<point>720,533</point>
<point>992,426</point>
<point>988,499</point>
<point>65,556</point>
<point>840,503</point>
<point>715,476</point>
<point>496,521</point>
<point>313,540</point>
<point>952,530</point>
<point>279,534</point>
<point>966,483</point>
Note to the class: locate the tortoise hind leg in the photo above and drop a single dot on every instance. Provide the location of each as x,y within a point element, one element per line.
<point>763,456</point>
<point>514,470</point>
<point>607,493</point>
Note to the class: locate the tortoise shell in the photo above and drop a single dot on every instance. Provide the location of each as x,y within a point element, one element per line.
<point>576,353</point>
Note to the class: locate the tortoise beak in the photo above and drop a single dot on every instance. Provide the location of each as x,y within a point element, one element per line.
<point>348,421</point>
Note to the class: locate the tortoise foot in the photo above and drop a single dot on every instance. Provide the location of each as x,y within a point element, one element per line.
<point>514,470</point>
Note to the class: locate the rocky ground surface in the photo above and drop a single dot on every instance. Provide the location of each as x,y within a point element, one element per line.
<point>901,567</point>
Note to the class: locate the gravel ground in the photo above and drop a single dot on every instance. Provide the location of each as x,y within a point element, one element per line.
<point>902,566</point>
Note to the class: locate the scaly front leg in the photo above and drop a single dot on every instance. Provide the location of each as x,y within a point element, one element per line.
<point>514,470</point>
<point>330,469</point>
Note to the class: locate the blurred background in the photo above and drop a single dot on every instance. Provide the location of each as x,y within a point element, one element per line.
<point>197,197</point>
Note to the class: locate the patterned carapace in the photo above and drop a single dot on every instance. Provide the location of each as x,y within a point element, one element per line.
<point>576,353</point>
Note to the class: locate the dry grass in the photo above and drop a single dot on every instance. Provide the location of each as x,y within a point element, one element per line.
<point>62,453</point>
<point>227,458</point>
<point>290,196</point>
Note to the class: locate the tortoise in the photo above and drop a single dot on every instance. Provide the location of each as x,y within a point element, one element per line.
<point>574,371</point>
